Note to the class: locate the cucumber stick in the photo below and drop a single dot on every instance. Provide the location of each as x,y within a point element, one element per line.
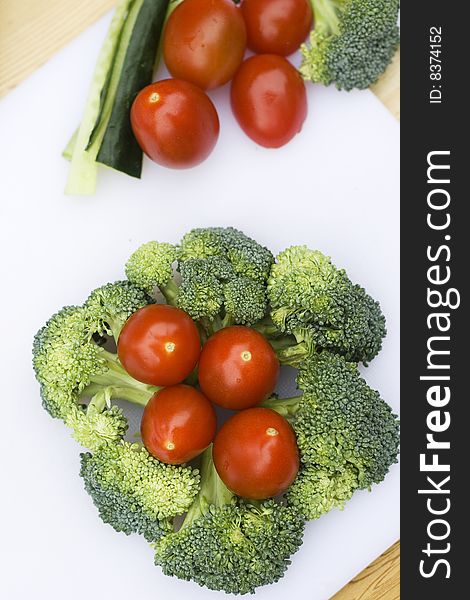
<point>130,43</point>
<point>119,148</point>
<point>83,169</point>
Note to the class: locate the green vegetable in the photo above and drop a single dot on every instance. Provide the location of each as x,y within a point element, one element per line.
<point>352,42</point>
<point>316,319</point>
<point>125,65</point>
<point>230,544</point>
<point>71,365</point>
<point>134,492</point>
<point>317,303</point>
<point>347,435</point>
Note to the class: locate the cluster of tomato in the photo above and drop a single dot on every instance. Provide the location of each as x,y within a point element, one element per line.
<point>204,44</point>
<point>255,451</point>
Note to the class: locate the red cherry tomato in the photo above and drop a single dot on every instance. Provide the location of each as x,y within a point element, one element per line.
<point>255,454</point>
<point>276,26</point>
<point>178,424</point>
<point>204,42</point>
<point>175,123</point>
<point>269,100</point>
<point>238,368</point>
<point>159,345</point>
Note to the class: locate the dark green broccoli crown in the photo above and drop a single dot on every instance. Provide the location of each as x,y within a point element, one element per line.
<point>317,490</point>
<point>352,43</point>
<point>342,422</point>
<point>223,273</point>
<point>200,293</point>
<point>111,305</point>
<point>234,548</point>
<point>151,265</point>
<point>134,492</point>
<point>245,300</point>
<point>247,257</point>
<point>316,302</point>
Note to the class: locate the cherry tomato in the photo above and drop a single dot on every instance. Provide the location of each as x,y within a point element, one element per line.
<point>175,123</point>
<point>204,42</point>
<point>178,424</point>
<point>255,454</point>
<point>159,345</point>
<point>238,368</point>
<point>269,100</point>
<point>276,26</point>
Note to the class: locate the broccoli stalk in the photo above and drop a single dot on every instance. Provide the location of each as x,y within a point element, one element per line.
<point>347,435</point>
<point>352,42</point>
<point>227,543</point>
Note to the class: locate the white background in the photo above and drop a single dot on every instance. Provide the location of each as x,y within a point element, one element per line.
<point>335,188</point>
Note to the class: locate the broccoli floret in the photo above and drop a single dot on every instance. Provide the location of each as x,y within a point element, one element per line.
<point>230,544</point>
<point>200,293</point>
<point>345,432</point>
<point>151,266</point>
<point>245,301</point>
<point>134,492</point>
<point>112,304</point>
<point>317,490</point>
<point>352,43</point>
<point>71,365</point>
<point>247,257</point>
<point>223,277</point>
<point>317,303</point>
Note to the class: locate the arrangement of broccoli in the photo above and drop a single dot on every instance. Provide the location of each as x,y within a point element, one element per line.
<point>315,318</point>
<point>347,435</point>
<point>226,543</point>
<point>352,43</point>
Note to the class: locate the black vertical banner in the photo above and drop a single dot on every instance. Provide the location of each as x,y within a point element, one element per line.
<point>435,259</point>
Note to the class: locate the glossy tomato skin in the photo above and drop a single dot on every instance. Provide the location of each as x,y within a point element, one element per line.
<point>178,424</point>
<point>204,42</point>
<point>175,123</point>
<point>255,454</point>
<point>159,345</point>
<point>269,100</point>
<point>238,368</point>
<point>276,26</point>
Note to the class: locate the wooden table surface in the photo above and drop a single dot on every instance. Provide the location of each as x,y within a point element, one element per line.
<point>30,32</point>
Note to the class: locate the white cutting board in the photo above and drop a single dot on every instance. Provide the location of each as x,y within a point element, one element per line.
<point>335,187</point>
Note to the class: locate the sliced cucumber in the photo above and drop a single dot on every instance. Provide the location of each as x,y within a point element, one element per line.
<point>83,168</point>
<point>119,148</point>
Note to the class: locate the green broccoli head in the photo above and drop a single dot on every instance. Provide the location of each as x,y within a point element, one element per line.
<point>352,43</point>
<point>134,492</point>
<point>111,305</point>
<point>245,300</point>
<point>65,357</point>
<point>235,548</point>
<point>94,427</point>
<point>317,490</point>
<point>342,422</point>
<point>229,544</point>
<point>246,257</point>
<point>71,367</point>
<point>223,274</point>
<point>200,293</point>
<point>151,266</point>
<point>313,300</point>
